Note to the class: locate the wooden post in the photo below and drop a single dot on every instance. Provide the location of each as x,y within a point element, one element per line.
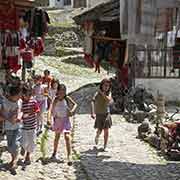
<point>149,62</point>
<point>165,54</point>
<point>132,62</point>
<point>23,73</point>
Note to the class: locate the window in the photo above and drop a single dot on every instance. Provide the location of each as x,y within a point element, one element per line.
<point>155,63</point>
<point>67,2</point>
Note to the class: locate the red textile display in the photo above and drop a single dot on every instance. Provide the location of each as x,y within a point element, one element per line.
<point>9,19</point>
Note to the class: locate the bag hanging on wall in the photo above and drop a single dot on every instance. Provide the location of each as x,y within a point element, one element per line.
<point>176,54</point>
<point>27,55</point>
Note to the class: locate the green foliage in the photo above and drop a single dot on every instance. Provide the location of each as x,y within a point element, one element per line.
<point>43,144</point>
<point>60,52</point>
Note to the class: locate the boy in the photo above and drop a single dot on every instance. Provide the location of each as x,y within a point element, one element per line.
<point>11,113</point>
<point>30,109</point>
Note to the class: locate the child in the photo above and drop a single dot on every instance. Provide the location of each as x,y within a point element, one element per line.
<point>52,92</point>
<point>40,93</point>
<point>11,113</point>
<point>30,109</point>
<point>100,111</point>
<point>61,111</point>
<point>47,79</point>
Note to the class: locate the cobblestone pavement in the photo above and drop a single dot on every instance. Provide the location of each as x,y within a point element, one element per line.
<point>52,170</point>
<point>127,157</point>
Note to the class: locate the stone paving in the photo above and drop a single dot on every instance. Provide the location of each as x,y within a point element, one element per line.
<point>127,157</point>
<point>52,169</point>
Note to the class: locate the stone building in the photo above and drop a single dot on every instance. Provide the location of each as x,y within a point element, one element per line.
<point>87,3</point>
<point>75,3</point>
<point>42,3</point>
<point>60,3</point>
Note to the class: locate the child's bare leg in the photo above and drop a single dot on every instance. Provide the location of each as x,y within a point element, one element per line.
<point>106,136</point>
<point>98,133</point>
<point>67,137</point>
<point>56,142</point>
<point>27,158</point>
<point>13,160</point>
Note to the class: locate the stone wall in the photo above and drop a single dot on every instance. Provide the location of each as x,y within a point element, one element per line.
<point>43,3</point>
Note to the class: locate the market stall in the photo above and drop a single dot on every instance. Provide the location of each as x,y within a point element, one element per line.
<point>22,31</point>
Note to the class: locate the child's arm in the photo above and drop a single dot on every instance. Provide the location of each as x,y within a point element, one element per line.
<point>49,115</point>
<point>92,106</point>
<point>74,105</point>
<point>107,98</point>
<point>50,111</point>
<point>92,110</point>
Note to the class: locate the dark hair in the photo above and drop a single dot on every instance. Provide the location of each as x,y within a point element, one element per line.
<point>54,81</point>
<point>27,90</point>
<point>46,71</point>
<point>14,90</point>
<point>62,87</point>
<point>37,77</point>
<point>105,81</point>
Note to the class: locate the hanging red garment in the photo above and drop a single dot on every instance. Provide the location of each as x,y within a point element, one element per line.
<point>27,55</point>
<point>123,76</point>
<point>13,63</point>
<point>89,59</point>
<point>39,47</point>
<point>22,44</point>
<point>9,19</point>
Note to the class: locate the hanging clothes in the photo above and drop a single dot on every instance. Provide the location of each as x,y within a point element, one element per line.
<point>9,19</point>
<point>176,54</point>
<point>37,19</point>
<point>88,43</point>
<point>164,22</point>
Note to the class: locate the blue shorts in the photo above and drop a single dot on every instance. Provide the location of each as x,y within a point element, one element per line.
<point>13,141</point>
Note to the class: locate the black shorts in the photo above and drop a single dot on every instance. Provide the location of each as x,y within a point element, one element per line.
<point>103,121</point>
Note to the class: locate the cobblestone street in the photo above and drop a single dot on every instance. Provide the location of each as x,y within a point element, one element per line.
<point>127,157</point>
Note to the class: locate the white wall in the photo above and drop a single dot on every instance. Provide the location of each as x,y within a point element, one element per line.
<point>169,87</point>
<point>59,4</point>
<point>52,3</point>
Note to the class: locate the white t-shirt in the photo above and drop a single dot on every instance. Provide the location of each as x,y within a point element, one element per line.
<point>9,108</point>
<point>60,110</point>
<point>39,92</point>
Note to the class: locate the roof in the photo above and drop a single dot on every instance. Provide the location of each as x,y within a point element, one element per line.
<point>108,11</point>
<point>19,3</point>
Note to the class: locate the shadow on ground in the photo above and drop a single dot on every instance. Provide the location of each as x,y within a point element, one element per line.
<point>99,166</point>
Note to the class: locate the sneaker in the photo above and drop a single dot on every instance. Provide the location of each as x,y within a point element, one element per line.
<point>53,156</point>
<point>27,160</point>
<point>96,139</point>
<point>105,148</point>
<point>22,151</point>
<point>69,161</point>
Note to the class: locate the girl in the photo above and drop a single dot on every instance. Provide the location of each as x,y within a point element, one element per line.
<point>40,93</point>
<point>61,111</point>
<point>101,112</point>
<point>11,113</point>
<point>30,109</point>
<point>52,92</point>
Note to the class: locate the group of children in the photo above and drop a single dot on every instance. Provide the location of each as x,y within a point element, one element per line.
<point>22,111</point>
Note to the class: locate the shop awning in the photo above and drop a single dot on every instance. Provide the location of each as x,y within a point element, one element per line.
<point>103,12</point>
<point>19,3</point>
